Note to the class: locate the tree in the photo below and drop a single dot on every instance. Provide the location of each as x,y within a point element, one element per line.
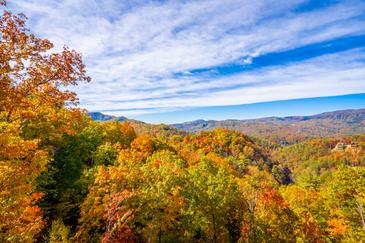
<point>212,197</point>
<point>61,181</point>
<point>141,148</point>
<point>117,217</point>
<point>21,162</point>
<point>59,232</point>
<point>275,218</point>
<point>35,110</point>
<point>308,205</point>
<point>116,132</point>
<point>31,77</point>
<point>347,190</point>
<point>106,206</point>
<point>105,154</point>
<point>160,201</point>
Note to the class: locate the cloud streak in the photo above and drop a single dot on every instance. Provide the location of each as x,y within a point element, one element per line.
<point>142,54</point>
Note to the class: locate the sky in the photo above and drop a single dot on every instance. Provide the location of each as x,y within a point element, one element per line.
<point>282,108</point>
<point>172,61</point>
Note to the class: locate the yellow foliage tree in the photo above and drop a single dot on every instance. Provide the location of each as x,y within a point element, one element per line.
<point>33,102</point>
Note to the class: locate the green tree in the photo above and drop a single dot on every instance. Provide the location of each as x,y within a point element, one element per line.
<point>160,200</point>
<point>59,232</point>
<point>347,190</point>
<point>213,202</point>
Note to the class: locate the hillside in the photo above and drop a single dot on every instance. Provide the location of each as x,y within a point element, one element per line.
<point>292,128</point>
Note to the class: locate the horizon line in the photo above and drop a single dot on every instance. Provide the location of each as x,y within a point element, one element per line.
<point>278,108</point>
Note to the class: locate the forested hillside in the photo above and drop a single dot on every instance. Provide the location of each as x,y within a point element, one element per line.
<point>67,178</point>
<point>278,129</point>
<point>289,129</point>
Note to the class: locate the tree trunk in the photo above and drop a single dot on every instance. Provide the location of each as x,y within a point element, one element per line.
<point>361,212</point>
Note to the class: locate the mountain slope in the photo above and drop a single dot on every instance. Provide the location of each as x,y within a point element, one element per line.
<point>98,116</point>
<point>293,128</point>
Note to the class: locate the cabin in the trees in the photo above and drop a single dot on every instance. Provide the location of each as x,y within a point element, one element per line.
<point>346,146</point>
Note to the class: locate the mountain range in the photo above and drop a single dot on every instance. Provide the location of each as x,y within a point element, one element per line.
<point>291,128</point>
<point>98,116</point>
<point>279,129</point>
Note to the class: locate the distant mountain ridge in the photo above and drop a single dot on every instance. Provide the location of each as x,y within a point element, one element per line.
<point>279,129</point>
<point>98,116</point>
<point>350,116</point>
<point>291,128</point>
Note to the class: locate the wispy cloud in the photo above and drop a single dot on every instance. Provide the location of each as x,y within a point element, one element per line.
<point>142,54</point>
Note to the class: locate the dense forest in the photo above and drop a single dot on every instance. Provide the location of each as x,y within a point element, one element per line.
<point>67,178</point>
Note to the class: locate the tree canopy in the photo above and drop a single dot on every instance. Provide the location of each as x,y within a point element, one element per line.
<point>67,178</point>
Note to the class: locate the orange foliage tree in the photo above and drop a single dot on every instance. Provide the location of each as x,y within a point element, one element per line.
<point>21,161</point>
<point>33,98</point>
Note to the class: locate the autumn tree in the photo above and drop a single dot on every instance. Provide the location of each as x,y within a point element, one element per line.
<point>212,197</point>
<point>33,112</point>
<point>21,162</point>
<point>275,218</point>
<point>59,232</point>
<point>347,190</point>
<point>308,205</point>
<point>32,78</point>
<point>160,201</point>
<point>118,217</point>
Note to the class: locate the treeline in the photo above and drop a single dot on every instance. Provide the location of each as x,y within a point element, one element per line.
<point>66,178</point>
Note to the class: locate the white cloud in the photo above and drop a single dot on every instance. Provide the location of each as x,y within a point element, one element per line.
<point>133,49</point>
<point>334,74</point>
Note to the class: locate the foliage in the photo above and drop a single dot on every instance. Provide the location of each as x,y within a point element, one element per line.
<point>59,232</point>
<point>67,178</point>
<point>33,116</point>
<point>21,161</point>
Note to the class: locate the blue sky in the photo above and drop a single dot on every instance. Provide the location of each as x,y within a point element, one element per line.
<point>300,107</point>
<point>171,61</point>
